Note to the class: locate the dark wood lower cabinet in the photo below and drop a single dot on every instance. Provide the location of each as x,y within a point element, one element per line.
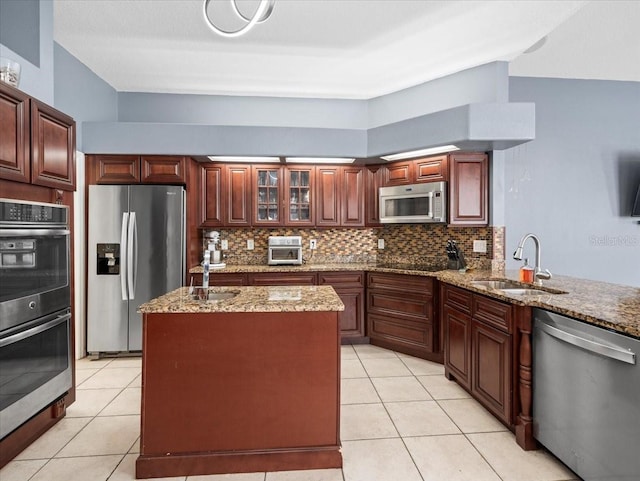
<point>491,379</point>
<point>349,285</point>
<point>400,314</point>
<point>487,346</point>
<point>457,345</point>
<point>479,346</point>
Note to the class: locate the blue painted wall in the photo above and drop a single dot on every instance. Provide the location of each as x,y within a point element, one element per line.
<point>80,93</point>
<point>574,184</point>
<point>36,77</point>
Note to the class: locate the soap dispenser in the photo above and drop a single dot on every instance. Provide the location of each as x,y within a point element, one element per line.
<point>526,272</point>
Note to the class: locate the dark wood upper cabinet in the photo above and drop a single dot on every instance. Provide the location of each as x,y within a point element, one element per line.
<point>163,169</point>
<point>469,189</point>
<point>352,196</point>
<point>237,182</point>
<point>53,147</point>
<point>38,142</point>
<point>431,169</point>
<point>135,169</point>
<point>15,157</point>
<point>399,173</point>
<point>328,196</point>
<point>340,196</point>
<point>212,199</point>
<point>374,179</point>
<point>299,196</point>
<point>267,195</point>
<point>116,169</point>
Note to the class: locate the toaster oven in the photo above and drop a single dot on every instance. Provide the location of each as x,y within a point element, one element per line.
<point>284,250</point>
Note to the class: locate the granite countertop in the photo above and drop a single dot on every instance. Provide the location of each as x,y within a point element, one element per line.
<point>611,306</point>
<point>231,269</point>
<point>249,299</point>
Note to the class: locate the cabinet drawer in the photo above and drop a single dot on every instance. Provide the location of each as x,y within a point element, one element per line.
<point>400,282</point>
<point>410,305</point>
<point>458,298</point>
<point>414,334</point>
<point>283,279</point>
<point>494,313</point>
<point>341,279</point>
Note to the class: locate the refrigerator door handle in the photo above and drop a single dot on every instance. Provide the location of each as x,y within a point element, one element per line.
<point>132,255</point>
<point>123,261</point>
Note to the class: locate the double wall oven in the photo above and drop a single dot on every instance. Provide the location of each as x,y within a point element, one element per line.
<point>35,309</point>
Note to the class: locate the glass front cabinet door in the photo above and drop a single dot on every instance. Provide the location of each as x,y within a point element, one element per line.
<point>268,192</point>
<point>299,196</point>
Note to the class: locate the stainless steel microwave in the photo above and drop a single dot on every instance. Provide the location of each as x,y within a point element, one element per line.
<point>413,203</point>
<point>285,250</point>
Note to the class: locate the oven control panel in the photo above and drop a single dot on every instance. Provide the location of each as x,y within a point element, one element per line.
<point>23,212</point>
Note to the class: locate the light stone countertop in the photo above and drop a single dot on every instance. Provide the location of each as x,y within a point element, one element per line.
<point>249,299</point>
<point>612,306</point>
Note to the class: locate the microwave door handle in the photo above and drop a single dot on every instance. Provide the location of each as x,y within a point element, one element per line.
<point>123,256</point>
<point>132,255</point>
<point>430,197</point>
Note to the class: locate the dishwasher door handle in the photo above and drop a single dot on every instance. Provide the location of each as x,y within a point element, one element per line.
<point>618,354</point>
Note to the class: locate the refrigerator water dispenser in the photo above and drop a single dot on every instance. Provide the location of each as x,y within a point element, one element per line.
<point>108,261</point>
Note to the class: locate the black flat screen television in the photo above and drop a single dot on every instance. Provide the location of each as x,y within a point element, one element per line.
<point>636,206</point>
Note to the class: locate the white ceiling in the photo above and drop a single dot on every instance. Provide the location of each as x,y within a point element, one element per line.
<point>356,49</point>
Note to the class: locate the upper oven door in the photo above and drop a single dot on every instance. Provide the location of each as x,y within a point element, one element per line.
<point>34,274</point>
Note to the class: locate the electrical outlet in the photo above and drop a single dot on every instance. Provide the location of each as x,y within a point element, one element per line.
<point>313,244</point>
<point>381,244</point>
<point>224,244</point>
<point>480,246</point>
<point>250,245</point>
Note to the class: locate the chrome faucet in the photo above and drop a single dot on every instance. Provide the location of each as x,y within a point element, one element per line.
<point>538,273</point>
<point>205,269</point>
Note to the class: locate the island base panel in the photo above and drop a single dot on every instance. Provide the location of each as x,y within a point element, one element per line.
<point>222,463</point>
<point>240,392</point>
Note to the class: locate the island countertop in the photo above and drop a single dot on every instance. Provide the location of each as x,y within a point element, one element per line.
<point>249,299</point>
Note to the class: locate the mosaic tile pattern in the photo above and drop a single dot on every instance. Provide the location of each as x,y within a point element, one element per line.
<point>404,243</point>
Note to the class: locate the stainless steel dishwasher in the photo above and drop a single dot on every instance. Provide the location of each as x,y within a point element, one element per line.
<point>586,397</point>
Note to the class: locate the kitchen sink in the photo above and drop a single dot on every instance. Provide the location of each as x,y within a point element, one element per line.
<point>507,286</point>
<point>525,292</point>
<point>497,284</point>
<point>206,295</point>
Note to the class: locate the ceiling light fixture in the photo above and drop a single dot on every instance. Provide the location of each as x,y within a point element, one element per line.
<point>417,153</point>
<point>261,14</point>
<point>319,160</point>
<point>235,158</point>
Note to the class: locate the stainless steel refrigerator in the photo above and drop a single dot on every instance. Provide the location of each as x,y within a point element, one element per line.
<point>136,251</point>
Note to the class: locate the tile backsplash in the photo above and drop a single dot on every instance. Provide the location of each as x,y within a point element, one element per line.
<point>404,243</point>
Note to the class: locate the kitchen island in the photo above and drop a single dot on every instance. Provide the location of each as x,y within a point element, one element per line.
<point>247,383</point>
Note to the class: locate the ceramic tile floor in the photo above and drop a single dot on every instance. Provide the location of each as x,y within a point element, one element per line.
<point>401,421</point>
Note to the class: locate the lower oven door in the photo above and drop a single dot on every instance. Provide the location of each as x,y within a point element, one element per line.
<point>35,368</point>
